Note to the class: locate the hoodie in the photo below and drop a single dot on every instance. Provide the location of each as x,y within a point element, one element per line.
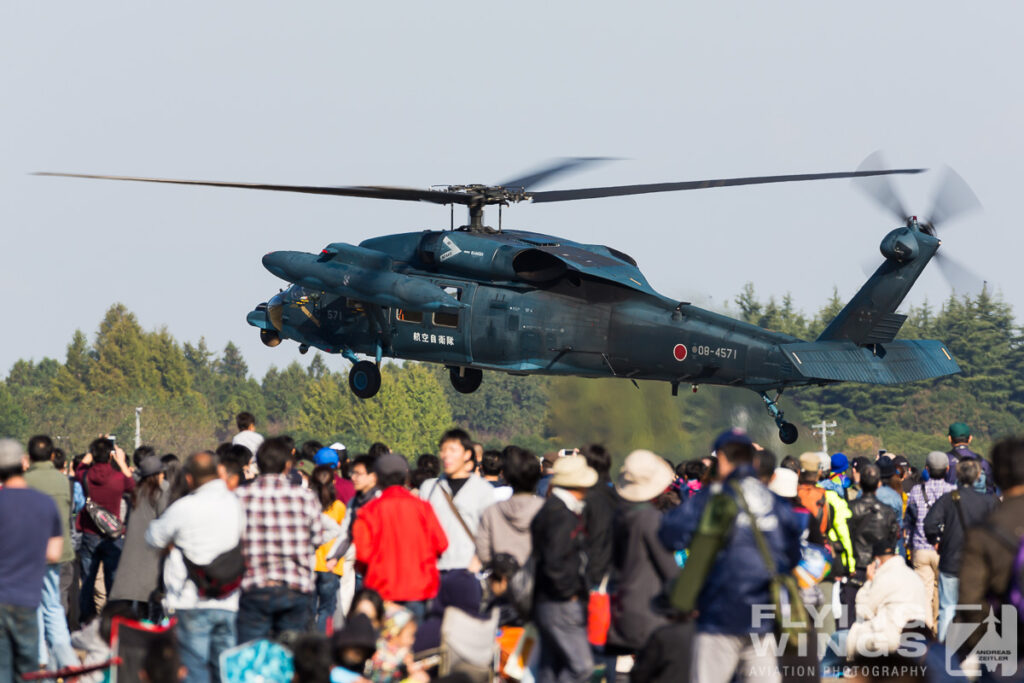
<point>505,528</point>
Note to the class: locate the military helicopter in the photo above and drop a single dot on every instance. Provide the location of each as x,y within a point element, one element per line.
<point>477,298</point>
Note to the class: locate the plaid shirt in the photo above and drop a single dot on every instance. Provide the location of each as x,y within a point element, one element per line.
<point>934,488</point>
<point>282,532</point>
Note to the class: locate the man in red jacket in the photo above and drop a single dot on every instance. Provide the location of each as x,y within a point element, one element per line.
<point>398,539</point>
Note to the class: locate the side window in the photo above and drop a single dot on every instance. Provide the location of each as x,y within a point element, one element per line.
<point>404,316</point>
<point>449,319</point>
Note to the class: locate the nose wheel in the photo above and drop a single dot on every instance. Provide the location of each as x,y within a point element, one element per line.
<point>788,433</point>
<point>364,379</point>
<point>465,380</point>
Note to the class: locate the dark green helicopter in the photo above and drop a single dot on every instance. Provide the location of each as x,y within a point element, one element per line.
<point>475,298</point>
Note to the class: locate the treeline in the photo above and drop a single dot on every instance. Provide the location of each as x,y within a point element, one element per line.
<point>190,394</point>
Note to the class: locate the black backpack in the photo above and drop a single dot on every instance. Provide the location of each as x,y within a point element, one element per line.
<point>220,577</point>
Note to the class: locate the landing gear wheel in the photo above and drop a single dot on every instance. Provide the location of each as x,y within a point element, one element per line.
<point>788,433</point>
<point>364,379</point>
<point>465,380</point>
<point>303,349</point>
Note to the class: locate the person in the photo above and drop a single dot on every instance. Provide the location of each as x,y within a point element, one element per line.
<point>459,496</point>
<point>947,523</point>
<point>344,490</point>
<point>560,589</point>
<point>201,527</point>
<point>923,556</point>
<point>871,521</point>
<point>333,512</point>
<point>44,477</point>
<point>739,578</point>
<point>960,439</point>
<point>364,481</point>
<point>598,513</point>
<point>492,465</point>
<point>991,549</point>
<point>138,584</point>
<point>890,492</point>
<point>398,539</point>
<point>367,602</point>
<point>892,597</point>
<point>836,478</point>
<point>105,486</point>
<point>353,646</point>
<point>281,534</point>
<point>642,565</point>
<point>247,435</point>
<point>505,526</point>
<point>26,548</point>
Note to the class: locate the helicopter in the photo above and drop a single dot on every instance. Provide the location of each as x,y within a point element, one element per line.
<point>477,298</point>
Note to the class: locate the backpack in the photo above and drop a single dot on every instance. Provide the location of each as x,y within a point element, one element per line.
<point>220,577</point>
<point>520,587</point>
<point>1015,591</point>
<point>814,500</point>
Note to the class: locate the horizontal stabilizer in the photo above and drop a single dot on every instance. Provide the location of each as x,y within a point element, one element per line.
<point>906,360</point>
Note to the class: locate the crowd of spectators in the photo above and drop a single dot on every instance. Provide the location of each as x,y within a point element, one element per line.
<point>263,559</point>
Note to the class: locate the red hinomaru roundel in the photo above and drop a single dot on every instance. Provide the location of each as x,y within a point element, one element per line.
<point>679,352</point>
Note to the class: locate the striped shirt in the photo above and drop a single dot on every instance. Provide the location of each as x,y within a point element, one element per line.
<point>922,497</point>
<point>282,532</point>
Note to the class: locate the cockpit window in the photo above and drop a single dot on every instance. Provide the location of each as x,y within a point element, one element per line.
<point>405,316</point>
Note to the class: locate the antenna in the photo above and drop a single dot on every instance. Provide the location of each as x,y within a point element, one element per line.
<point>824,430</point>
<point>138,427</point>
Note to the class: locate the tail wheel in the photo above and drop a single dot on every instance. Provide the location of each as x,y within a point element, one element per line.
<point>364,379</point>
<point>788,433</point>
<point>465,380</point>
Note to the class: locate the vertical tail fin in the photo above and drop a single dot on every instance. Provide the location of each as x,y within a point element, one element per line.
<point>870,317</point>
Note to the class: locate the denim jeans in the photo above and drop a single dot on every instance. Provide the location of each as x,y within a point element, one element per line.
<point>202,635</point>
<point>53,625</point>
<point>268,612</point>
<point>95,550</point>
<point>949,589</point>
<point>19,646</point>
<point>835,655</point>
<point>327,584</point>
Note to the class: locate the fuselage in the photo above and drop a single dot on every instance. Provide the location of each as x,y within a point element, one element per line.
<point>571,321</point>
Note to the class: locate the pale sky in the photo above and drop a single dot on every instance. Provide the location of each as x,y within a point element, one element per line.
<point>417,94</point>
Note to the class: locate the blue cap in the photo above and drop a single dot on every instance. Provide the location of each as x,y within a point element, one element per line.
<point>733,435</point>
<point>326,456</point>
<point>840,462</point>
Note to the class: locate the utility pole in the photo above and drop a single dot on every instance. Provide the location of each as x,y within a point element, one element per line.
<point>824,429</point>
<point>138,427</point>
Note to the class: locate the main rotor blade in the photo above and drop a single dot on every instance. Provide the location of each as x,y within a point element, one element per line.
<point>960,278</point>
<point>546,173</point>
<point>370,191</point>
<point>622,190</point>
<point>880,188</point>
<point>953,197</point>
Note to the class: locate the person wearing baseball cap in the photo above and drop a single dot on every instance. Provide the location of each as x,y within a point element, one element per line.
<point>920,500</point>
<point>836,478</point>
<point>560,589</point>
<point>738,577</point>
<point>960,439</point>
<point>643,565</point>
<point>331,457</point>
<point>399,539</point>
<point>33,537</point>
